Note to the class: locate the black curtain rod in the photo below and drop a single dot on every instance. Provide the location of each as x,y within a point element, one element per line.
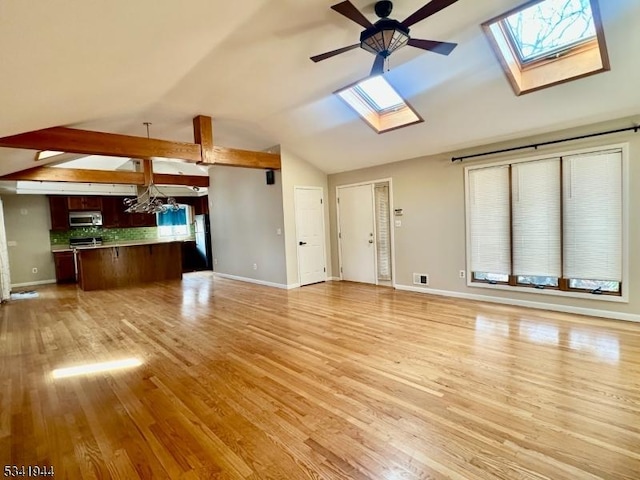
<point>542,144</point>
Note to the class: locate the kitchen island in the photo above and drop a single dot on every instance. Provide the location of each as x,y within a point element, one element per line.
<point>123,265</point>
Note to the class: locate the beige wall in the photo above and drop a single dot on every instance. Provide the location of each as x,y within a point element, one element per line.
<point>246,214</point>
<point>432,236</point>
<point>298,173</point>
<point>27,221</point>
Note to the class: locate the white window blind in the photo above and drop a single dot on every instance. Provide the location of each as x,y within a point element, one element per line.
<point>383,231</point>
<point>592,195</point>
<point>489,222</point>
<point>536,218</point>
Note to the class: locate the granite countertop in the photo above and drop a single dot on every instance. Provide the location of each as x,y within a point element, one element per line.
<point>128,243</point>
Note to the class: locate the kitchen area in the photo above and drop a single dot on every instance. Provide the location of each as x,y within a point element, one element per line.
<point>98,245</point>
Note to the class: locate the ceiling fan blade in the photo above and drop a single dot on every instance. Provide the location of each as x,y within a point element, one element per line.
<point>443,48</point>
<point>434,6</point>
<point>333,53</point>
<point>378,66</point>
<point>352,13</point>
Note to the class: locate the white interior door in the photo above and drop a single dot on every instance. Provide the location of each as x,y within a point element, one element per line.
<point>357,233</point>
<point>310,235</point>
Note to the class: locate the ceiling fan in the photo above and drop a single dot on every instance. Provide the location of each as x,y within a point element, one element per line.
<point>387,35</point>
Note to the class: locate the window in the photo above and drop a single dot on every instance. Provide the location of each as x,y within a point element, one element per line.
<point>545,42</point>
<point>378,103</point>
<point>549,223</point>
<point>174,223</point>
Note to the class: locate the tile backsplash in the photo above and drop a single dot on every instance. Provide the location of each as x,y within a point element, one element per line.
<point>107,234</point>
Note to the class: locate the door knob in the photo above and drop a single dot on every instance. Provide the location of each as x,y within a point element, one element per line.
<point>302,243</point>
<point>370,241</point>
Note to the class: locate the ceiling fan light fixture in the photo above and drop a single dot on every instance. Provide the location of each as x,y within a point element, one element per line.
<point>384,38</point>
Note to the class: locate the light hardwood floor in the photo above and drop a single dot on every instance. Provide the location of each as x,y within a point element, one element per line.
<point>330,381</point>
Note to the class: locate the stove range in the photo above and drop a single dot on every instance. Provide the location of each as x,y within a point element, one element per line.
<point>85,242</point>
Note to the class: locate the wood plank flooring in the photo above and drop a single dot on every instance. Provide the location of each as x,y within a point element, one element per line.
<point>330,381</point>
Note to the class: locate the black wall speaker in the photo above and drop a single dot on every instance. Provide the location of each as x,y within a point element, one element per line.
<point>271,177</point>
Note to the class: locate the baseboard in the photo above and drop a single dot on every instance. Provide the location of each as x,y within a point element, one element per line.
<point>334,279</point>
<point>256,281</point>
<point>630,317</point>
<point>33,284</point>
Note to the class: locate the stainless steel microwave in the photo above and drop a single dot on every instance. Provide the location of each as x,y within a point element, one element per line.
<point>85,219</point>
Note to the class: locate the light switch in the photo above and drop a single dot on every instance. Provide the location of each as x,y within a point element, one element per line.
<point>279,231</point>
<point>12,243</point>
<point>24,211</point>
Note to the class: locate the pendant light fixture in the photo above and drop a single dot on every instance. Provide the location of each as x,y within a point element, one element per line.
<point>152,200</point>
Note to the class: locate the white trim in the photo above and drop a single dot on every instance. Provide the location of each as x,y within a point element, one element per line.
<point>324,231</point>
<point>392,226</point>
<point>33,284</point>
<point>630,317</point>
<point>256,281</point>
<point>624,298</point>
<point>334,279</point>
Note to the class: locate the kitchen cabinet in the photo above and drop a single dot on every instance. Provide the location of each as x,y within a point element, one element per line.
<point>59,209</point>
<point>84,203</point>
<point>201,205</point>
<point>122,266</point>
<point>113,214</point>
<point>65,267</point>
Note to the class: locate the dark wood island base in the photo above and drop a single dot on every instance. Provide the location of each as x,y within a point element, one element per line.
<point>122,266</point>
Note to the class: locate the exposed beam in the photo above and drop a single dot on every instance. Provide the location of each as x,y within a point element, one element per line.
<point>48,174</point>
<point>203,135</point>
<point>186,180</point>
<point>147,170</point>
<point>72,140</point>
<point>98,143</point>
<point>232,157</point>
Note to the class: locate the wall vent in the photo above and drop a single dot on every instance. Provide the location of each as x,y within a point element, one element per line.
<point>420,279</point>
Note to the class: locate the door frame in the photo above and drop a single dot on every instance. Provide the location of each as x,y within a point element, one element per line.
<point>324,230</point>
<point>392,227</point>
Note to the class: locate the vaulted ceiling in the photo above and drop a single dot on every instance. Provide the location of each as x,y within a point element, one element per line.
<point>110,66</point>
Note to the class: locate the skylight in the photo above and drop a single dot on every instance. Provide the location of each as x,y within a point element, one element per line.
<point>379,94</point>
<point>379,104</point>
<point>547,42</point>
<point>549,27</point>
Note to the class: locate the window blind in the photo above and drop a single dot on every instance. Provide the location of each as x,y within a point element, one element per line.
<point>592,198</point>
<point>489,221</point>
<point>383,232</point>
<point>536,218</point>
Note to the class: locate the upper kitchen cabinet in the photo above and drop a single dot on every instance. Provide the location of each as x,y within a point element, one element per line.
<point>58,206</point>
<point>85,203</point>
<point>113,214</point>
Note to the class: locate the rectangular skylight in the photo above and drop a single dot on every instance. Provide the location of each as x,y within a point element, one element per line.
<point>550,26</point>
<point>547,42</point>
<point>379,104</point>
<point>378,92</point>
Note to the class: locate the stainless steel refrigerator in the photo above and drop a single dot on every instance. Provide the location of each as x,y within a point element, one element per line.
<point>203,241</point>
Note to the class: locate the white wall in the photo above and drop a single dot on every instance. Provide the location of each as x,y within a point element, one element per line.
<point>432,236</point>
<point>298,173</point>
<point>246,214</point>
<point>27,222</point>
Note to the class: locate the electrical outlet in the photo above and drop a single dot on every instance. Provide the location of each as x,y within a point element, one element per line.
<point>215,261</point>
<point>255,266</point>
<point>34,270</point>
<point>462,274</point>
<point>421,279</point>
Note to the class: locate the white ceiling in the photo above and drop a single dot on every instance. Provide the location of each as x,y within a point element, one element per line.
<point>110,66</point>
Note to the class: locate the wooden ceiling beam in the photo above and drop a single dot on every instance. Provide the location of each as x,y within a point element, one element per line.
<point>232,157</point>
<point>98,143</point>
<point>87,142</point>
<point>49,174</point>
